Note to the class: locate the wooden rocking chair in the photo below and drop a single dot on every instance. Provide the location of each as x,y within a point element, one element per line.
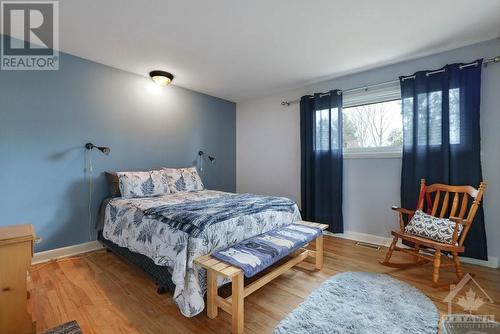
<point>426,250</point>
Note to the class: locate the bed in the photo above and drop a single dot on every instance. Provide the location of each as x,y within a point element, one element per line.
<point>172,230</point>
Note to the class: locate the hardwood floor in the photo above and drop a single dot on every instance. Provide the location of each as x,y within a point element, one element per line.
<point>106,295</point>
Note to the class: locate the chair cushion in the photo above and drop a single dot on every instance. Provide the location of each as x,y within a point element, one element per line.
<point>427,226</point>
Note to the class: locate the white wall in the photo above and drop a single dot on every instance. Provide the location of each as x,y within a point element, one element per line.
<point>268,147</point>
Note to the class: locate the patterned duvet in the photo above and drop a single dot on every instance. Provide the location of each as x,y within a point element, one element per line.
<point>126,225</point>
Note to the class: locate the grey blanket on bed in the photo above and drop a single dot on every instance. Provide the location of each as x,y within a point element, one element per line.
<point>195,216</point>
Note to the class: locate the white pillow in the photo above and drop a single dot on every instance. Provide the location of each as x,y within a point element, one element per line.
<point>427,226</point>
<point>143,184</point>
<point>183,179</point>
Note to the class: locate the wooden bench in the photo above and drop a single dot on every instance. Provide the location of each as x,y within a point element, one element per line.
<point>234,303</point>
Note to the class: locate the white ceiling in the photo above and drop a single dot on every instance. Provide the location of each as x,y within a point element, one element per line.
<point>237,49</point>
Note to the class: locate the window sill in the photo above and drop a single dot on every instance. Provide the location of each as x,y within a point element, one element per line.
<point>373,155</point>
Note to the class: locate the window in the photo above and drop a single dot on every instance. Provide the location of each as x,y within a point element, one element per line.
<point>372,122</point>
<point>376,125</point>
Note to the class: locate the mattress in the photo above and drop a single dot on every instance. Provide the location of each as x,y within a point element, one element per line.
<point>127,225</point>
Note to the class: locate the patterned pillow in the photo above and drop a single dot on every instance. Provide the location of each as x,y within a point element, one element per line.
<point>427,226</point>
<point>183,179</point>
<point>143,184</point>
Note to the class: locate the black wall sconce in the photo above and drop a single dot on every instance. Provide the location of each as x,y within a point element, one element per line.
<point>210,158</point>
<point>103,149</point>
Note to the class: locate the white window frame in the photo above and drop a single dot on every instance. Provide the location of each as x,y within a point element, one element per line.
<point>389,91</point>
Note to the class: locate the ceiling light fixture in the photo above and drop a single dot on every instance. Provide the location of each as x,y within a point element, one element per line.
<point>161,78</point>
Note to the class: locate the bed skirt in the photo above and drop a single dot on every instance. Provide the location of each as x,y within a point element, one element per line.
<point>159,274</point>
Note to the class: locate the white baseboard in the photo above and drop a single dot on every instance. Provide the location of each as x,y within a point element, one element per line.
<point>363,237</point>
<point>493,261</point>
<point>58,253</point>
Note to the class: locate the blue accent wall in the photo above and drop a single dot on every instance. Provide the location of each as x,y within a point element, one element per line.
<point>46,117</point>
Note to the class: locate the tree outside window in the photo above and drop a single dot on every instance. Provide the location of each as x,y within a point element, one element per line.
<point>373,125</point>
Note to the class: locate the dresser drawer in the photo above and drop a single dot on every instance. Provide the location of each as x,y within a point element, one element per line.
<point>16,253</point>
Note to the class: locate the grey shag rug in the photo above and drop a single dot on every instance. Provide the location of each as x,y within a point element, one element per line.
<point>360,302</point>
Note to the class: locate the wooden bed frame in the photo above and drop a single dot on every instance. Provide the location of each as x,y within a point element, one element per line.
<point>234,303</point>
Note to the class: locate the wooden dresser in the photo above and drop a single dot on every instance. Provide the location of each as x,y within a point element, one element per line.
<point>16,252</point>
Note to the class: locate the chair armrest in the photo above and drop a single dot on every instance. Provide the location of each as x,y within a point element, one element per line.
<point>457,221</point>
<point>460,221</point>
<point>402,210</point>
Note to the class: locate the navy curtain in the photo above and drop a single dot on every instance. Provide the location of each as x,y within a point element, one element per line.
<point>321,159</point>
<point>441,138</point>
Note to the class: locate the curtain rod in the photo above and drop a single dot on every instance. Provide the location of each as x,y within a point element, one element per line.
<point>485,63</point>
